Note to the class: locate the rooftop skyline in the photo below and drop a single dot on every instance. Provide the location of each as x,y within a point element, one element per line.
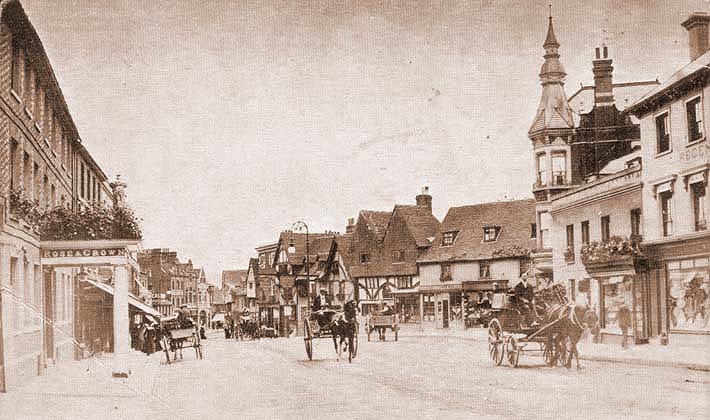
<point>232,120</point>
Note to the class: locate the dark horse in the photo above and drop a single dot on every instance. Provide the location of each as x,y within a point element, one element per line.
<point>572,320</point>
<point>343,328</point>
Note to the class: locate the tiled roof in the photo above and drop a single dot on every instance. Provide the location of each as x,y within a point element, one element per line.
<point>420,222</point>
<point>514,218</point>
<point>315,245</point>
<point>234,277</point>
<point>625,94</point>
<point>377,220</point>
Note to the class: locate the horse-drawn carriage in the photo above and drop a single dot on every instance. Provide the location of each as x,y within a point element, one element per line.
<point>177,334</point>
<point>340,325</point>
<point>381,323</point>
<point>247,327</point>
<point>555,337</point>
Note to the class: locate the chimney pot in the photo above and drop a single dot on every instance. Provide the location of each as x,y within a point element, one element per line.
<point>697,27</point>
<point>597,53</point>
<point>606,52</point>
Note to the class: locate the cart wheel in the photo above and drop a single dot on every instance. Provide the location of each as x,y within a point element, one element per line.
<point>513,352</point>
<point>308,339</point>
<point>166,348</point>
<point>548,352</point>
<point>564,352</point>
<point>495,342</point>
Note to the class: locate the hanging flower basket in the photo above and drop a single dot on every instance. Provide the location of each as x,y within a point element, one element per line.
<point>616,251</point>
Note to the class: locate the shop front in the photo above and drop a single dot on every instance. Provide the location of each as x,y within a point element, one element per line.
<point>442,305</point>
<point>407,304</point>
<point>623,298</point>
<point>682,270</point>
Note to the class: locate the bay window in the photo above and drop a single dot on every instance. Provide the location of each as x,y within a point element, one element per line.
<point>559,168</point>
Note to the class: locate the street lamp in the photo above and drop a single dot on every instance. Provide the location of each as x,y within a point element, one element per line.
<point>298,226</point>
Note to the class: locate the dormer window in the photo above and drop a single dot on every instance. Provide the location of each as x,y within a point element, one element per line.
<point>449,238</point>
<point>364,258</point>
<point>491,233</point>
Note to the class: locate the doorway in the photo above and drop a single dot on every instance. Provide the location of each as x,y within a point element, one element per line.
<point>445,313</point>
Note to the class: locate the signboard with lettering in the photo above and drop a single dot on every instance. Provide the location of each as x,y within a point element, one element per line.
<point>103,252</point>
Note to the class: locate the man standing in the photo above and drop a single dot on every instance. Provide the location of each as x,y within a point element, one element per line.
<point>623,317</point>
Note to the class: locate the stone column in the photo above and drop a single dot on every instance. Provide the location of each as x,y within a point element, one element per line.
<point>121,335</point>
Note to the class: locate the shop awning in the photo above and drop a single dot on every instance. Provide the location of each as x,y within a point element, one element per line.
<point>132,300</point>
<point>219,317</point>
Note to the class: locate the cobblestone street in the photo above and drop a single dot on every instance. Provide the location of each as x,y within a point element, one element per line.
<point>416,377</point>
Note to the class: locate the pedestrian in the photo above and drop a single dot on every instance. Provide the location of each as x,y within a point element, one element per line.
<point>623,318</point>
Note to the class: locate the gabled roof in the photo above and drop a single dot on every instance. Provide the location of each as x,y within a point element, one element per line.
<point>421,223</point>
<point>234,277</point>
<point>377,221</point>
<point>513,217</point>
<point>298,239</point>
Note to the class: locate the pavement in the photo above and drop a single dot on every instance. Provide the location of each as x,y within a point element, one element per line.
<point>426,376</point>
<point>651,355</point>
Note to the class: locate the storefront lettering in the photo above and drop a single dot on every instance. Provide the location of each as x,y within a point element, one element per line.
<point>73,253</point>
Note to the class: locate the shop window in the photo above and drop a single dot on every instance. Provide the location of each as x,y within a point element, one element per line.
<point>694,114</point>
<point>491,233</point>
<point>428,308</point>
<point>616,293</point>
<point>688,285</point>
<point>606,229</point>
<point>484,269</point>
<point>585,232</point>
<point>449,238</point>
<point>699,197</point>
<point>666,206</point>
<point>663,135</point>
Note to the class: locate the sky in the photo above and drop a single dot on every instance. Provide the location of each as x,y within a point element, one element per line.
<point>230,120</point>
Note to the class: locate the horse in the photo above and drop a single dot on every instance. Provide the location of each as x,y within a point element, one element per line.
<point>573,321</point>
<point>343,328</point>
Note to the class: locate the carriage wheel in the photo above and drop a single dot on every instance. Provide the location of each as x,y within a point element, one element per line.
<point>513,352</point>
<point>166,348</point>
<point>564,352</point>
<point>495,343</point>
<point>308,339</point>
<point>548,352</point>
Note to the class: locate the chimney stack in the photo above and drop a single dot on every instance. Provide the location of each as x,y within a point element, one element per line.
<point>351,225</point>
<point>603,70</point>
<point>697,27</point>
<point>424,199</point>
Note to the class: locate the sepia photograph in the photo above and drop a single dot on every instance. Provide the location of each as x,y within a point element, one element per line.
<point>354,209</point>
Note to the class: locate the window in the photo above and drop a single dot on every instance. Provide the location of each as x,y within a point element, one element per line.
<point>27,174</point>
<point>484,268</point>
<point>39,100</point>
<point>605,228</point>
<point>364,258</point>
<point>542,169</point>
<point>14,156</point>
<point>559,168</point>
<point>490,234</point>
<point>545,224</point>
<point>585,232</point>
<point>533,230</point>
<point>449,238</point>
<point>663,135</point>
<point>569,253</point>
<point>16,65</point>
<point>666,207</point>
<point>81,178</point>
<point>404,282</point>
<point>694,115</point>
<point>398,256</point>
<point>699,205</point>
<point>445,272</point>
<point>636,222</point>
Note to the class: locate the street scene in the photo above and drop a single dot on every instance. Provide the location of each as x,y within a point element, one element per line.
<point>354,209</point>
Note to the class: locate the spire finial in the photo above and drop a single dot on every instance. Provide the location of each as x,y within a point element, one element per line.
<point>550,16</point>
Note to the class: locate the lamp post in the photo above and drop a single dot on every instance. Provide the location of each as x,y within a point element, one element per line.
<point>299,226</point>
